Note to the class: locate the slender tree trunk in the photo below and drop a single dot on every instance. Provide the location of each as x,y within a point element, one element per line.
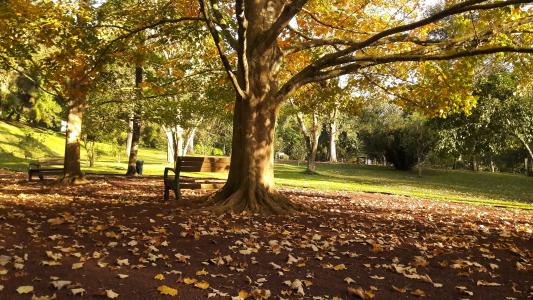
<point>419,165</point>
<point>136,128</point>
<point>180,141</point>
<point>73,173</point>
<point>135,138</point>
<point>305,132</point>
<point>333,137</point>
<point>528,166</point>
<point>314,135</point>
<point>170,144</point>
<point>474,163</point>
<point>311,140</point>
<point>189,145</point>
<point>130,136</point>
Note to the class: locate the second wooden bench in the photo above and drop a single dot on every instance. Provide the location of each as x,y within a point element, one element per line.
<point>46,166</point>
<point>194,164</point>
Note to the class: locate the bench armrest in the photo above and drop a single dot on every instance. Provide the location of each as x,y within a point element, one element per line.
<point>166,172</point>
<point>34,165</point>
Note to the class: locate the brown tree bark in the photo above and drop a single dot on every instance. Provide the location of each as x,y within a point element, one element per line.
<point>72,166</point>
<point>250,184</point>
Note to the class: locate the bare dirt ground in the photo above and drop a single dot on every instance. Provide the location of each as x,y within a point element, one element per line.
<point>116,238</point>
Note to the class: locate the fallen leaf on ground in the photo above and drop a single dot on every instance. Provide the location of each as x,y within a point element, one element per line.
<point>76,266</point>
<point>25,289</point>
<point>59,284</point>
<point>486,283</point>
<point>418,293</point>
<point>111,294</point>
<point>202,285</point>
<point>166,290</point>
<point>349,280</point>
<point>44,297</point>
<point>339,267</point>
<point>188,280</point>
<point>399,290</point>
<point>78,291</point>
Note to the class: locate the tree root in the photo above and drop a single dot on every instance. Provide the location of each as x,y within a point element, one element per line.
<point>310,172</point>
<point>250,201</point>
<point>73,179</point>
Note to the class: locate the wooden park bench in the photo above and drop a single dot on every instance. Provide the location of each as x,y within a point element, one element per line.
<point>194,164</point>
<point>47,166</point>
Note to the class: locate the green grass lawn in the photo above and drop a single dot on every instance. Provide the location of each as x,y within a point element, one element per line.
<point>18,141</point>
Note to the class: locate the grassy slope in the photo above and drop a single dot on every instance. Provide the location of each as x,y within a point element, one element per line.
<point>495,189</point>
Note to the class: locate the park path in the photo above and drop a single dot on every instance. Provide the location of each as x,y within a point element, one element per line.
<point>114,237</point>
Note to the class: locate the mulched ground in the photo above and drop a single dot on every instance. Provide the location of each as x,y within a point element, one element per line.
<point>116,236</point>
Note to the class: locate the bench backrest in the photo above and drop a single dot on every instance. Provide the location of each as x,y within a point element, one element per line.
<point>48,162</point>
<point>202,164</point>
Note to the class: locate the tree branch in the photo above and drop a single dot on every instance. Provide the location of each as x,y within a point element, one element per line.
<point>216,38</point>
<point>219,20</point>
<point>99,60</point>
<point>328,59</point>
<point>288,12</point>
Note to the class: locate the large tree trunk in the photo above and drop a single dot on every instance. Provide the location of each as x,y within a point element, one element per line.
<point>250,184</point>
<point>136,122</point>
<point>333,137</point>
<point>73,173</point>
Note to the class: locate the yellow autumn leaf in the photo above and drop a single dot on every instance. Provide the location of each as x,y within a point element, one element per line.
<point>486,283</point>
<point>76,266</point>
<point>202,272</point>
<point>188,280</point>
<point>339,267</point>
<point>25,289</point>
<point>159,277</point>
<point>243,294</point>
<point>202,285</point>
<point>166,290</point>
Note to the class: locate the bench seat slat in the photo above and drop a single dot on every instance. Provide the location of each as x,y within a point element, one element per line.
<point>204,168</point>
<point>203,186</point>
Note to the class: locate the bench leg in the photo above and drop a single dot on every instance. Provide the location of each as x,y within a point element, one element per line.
<point>41,177</point>
<point>166,194</point>
<point>177,193</point>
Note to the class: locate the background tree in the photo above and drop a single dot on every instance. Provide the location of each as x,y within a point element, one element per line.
<point>69,46</point>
